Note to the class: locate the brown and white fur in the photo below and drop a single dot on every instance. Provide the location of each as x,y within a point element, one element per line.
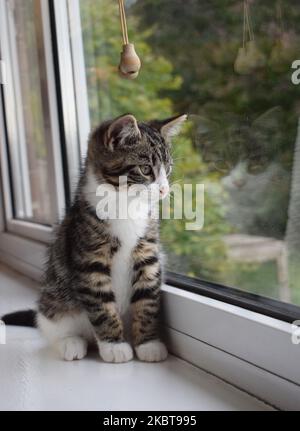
<point>104,275</point>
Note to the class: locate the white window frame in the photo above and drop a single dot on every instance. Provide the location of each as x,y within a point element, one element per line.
<point>15,134</point>
<point>247,349</point>
<point>73,86</point>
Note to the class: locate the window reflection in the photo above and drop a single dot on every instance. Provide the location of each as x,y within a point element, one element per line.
<point>241,140</point>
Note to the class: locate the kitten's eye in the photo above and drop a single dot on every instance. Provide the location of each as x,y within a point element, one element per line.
<point>221,165</point>
<point>146,170</point>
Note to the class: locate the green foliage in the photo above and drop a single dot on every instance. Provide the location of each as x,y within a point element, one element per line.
<point>197,253</point>
<point>202,38</point>
<point>150,96</point>
<point>110,96</point>
<point>188,50</point>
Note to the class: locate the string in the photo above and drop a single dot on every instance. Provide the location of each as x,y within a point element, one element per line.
<point>250,24</point>
<point>123,22</point>
<point>280,16</point>
<point>244,25</point>
<point>247,23</point>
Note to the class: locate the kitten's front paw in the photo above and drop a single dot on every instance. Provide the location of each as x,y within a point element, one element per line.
<point>71,348</point>
<point>152,351</point>
<point>115,352</point>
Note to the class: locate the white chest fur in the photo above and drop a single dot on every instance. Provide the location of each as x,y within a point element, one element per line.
<point>128,231</point>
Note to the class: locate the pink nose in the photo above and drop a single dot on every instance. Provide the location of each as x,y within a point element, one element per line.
<point>239,183</point>
<point>163,190</point>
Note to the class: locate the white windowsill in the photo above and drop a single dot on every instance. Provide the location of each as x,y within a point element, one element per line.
<point>32,378</point>
<point>249,350</point>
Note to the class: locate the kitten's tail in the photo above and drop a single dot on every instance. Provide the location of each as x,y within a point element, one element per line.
<point>21,318</point>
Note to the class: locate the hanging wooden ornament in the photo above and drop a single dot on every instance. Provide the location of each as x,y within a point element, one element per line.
<point>130,63</point>
<point>285,48</point>
<point>256,58</point>
<point>249,55</point>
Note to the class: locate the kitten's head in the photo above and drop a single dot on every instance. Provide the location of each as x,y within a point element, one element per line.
<point>240,145</point>
<point>139,151</point>
<point>249,179</point>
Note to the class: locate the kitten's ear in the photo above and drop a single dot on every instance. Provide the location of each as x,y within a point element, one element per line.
<point>170,127</point>
<point>120,129</point>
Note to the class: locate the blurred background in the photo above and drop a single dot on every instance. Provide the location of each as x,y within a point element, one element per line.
<point>241,139</point>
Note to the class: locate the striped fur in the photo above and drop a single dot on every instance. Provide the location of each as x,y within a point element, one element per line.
<point>95,265</point>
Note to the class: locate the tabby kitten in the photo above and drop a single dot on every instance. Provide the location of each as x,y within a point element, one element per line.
<point>257,198</point>
<point>105,273</point>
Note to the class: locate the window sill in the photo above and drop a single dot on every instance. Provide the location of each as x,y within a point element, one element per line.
<point>182,386</point>
<point>251,351</point>
<point>22,254</point>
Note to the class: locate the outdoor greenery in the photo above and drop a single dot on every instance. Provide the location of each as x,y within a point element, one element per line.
<point>188,50</point>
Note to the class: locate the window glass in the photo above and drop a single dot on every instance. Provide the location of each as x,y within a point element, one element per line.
<point>29,134</point>
<point>228,64</point>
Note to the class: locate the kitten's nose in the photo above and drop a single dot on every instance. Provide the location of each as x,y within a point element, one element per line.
<point>164,190</point>
<point>239,182</point>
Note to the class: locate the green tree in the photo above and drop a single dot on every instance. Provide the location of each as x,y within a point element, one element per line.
<point>188,50</point>
<point>149,97</point>
<point>109,95</point>
<point>202,38</point>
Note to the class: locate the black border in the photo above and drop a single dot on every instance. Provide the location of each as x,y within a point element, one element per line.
<point>60,111</point>
<point>250,301</point>
<point>6,143</point>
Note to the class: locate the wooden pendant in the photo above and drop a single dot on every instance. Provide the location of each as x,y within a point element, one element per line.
<point>130,63</point>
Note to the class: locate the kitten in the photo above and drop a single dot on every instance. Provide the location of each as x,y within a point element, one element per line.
<point>250,155</point>
<point>104,273</point>
<point>257,200</point>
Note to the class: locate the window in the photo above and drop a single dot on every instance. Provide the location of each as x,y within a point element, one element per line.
<point>241,142</point>
<point>242,134</point>
<point>32,134</point>
<point>238,142</point>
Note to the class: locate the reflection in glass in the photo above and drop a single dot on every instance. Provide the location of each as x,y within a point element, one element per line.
<point>240,140</point>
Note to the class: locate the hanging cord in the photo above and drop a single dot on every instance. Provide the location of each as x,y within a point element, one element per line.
<point>123,22</point>
<point>248,26</point>
<point>130,63</point>
<point>244,26</point>
<point>250,23</point>
<point>280,16</point>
